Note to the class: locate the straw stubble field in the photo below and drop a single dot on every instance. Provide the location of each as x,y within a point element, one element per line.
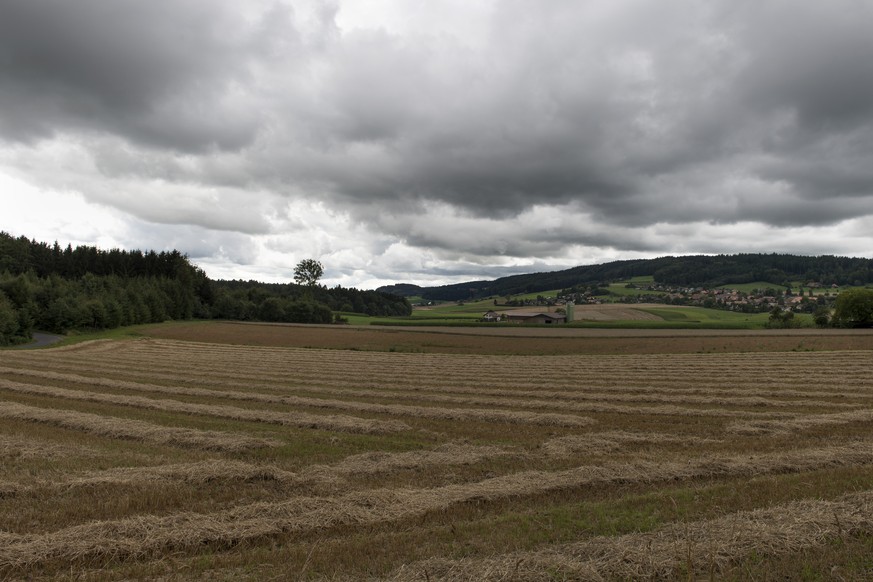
<point>168,459</point>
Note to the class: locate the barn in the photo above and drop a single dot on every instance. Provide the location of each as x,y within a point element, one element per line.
<point>536,317</point>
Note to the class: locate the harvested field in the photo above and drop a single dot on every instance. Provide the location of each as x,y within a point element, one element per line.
<point>694,550</point>
<point>21,447</point>
<point>131,429</point>
<point>170,459</point>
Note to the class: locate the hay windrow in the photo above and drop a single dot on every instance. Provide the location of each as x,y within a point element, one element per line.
<point>20,447</point>
<point>303,419</point>
<point>144,535</point>
<point>581,401</point>
<point>514,417</point>
<point>296,419</point>
<point>612,441</point>
<point>379,462</point>
<point>699,549</point>
<point>713,372</point>
<point>203,472</point>
<point>196,473</point>
<point>783,427</point>
<point>138,430</point>
<point>496,440</point>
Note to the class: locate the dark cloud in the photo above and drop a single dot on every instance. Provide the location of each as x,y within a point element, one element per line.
<point>526,132</point>
<point>164,73</point>
<point>813,59</point>
<point>544,116</point>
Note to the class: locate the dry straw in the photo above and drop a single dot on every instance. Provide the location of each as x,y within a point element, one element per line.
<point>296,419</point>
<point>612,441</point>
<point>339,423</point>
<point>196,473</point>
<point>599,405</point>
<point>701,394</point>
<point>705,384</point>
<point>783,427</point>
<point>26,447</point>
<point>381,462</point>
<point>203,472</point>
<point>148,535</point>
<point>138,430</point>
<point>691,550</point>
<point>692,390</point>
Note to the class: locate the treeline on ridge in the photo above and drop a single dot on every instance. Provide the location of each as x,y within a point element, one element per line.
<point>56,289</point>
<point>687,271</point>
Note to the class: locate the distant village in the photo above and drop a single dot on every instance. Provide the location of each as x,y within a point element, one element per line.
<point>801,299</point>
<point>809,298</point>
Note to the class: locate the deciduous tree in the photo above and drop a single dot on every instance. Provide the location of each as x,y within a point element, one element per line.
<point>854,308</point>
<point>308,272</point>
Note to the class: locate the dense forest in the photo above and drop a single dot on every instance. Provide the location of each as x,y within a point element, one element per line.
<point>56,289</point>
<point>690,271</point>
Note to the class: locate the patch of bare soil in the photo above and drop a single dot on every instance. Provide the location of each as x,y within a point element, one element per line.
<point>515,340</point>
<point>612,312</point>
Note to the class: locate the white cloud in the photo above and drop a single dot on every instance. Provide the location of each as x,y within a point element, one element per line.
<point>55,215</point>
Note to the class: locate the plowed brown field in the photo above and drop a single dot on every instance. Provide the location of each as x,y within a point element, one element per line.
<point>516,340</point>
<point>206,458</point>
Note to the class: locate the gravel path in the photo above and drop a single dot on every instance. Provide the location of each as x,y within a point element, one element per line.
<point>40,340</point>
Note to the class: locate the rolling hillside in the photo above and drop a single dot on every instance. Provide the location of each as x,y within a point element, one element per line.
<point>692,271</point>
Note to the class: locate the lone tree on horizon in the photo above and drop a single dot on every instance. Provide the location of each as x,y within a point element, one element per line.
<point>308,272</point>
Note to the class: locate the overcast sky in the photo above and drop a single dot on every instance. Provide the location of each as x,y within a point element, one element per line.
<point>436,141</point>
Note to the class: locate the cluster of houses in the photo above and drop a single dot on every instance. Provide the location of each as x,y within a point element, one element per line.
<point>757,301</point>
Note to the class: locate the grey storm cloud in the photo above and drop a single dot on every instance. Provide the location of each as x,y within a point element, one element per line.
<point>628,113</point>
<point>162,73</point>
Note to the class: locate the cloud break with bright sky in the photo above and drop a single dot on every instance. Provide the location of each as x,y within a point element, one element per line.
<point>437,141</point>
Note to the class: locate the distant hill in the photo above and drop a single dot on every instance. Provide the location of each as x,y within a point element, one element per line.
<point>689,271</point>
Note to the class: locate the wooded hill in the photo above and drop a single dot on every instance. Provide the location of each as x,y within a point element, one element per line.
<point>50,288</point>
<point>688,271</point>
